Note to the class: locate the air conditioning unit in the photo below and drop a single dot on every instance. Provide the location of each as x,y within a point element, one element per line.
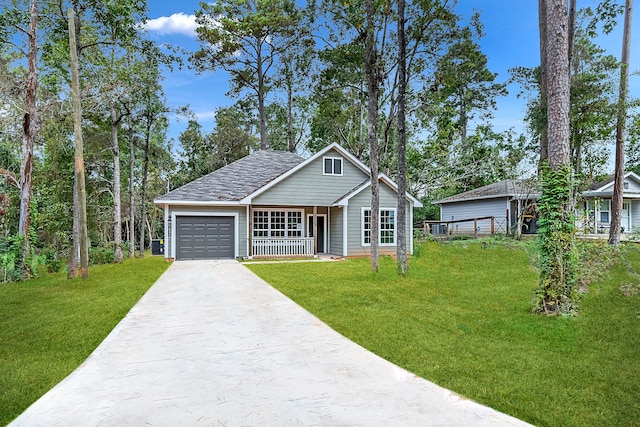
<point>439,229</point>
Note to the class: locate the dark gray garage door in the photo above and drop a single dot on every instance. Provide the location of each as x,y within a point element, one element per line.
<point>204,237</point>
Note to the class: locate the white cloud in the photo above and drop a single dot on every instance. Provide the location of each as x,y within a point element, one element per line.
<point>178,23</point>
<point>206,116</point>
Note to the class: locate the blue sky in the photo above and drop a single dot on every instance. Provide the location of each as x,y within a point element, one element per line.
<point>511,40</point>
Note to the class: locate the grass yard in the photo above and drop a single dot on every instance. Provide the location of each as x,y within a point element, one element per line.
<point>49,325</point>
<point>461,319</point>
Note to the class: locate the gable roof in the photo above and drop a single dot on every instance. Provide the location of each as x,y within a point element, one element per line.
<point>344,199</point>
<point>334,146</point>
<point>608,183</point>
<point>236,180</point>
<point>605,188</point>
<point>246,178</point>
<point>508,188</point>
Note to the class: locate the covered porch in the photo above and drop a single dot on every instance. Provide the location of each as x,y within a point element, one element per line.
<point>594,216</point>
<point>288,231</point>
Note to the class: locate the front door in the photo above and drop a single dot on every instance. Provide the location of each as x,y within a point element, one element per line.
<point>626,218</point>
<point>322,232</point>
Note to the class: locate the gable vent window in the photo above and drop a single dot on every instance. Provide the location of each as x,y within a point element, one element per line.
<point>332,166</point>
<point>626,185</point>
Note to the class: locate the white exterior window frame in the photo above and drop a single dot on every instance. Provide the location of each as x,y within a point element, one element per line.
<point>286,223</point>
<point>333,159</point>
<point>395,227</point>
<point>236,225</point>
<point>608,211</point>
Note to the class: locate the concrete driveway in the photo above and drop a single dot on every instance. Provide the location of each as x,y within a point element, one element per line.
<point>212,344</point>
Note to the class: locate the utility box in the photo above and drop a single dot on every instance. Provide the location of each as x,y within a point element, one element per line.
<point>157,247</point>
<point>438,229</point>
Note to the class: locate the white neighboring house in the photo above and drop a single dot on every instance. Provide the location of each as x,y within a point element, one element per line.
<point>511,200</point>
<point>593,215</point>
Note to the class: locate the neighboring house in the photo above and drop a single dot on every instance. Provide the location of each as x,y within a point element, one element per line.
<point>512,202</point>
<point>274,203</point>
<point>508,201</point>
<point>594,212</point>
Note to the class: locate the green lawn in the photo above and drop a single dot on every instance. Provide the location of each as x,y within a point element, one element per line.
<point>49,325</point>
<point>461,319</point>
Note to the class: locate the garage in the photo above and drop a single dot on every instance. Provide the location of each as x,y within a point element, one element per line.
<point>205,237</point>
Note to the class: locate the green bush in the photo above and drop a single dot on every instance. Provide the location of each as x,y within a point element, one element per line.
<point>100,255</point>
<point>13,267</point>
<point>52,260</point>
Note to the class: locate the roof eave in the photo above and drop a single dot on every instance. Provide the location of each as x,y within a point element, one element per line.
<point>161,202</point>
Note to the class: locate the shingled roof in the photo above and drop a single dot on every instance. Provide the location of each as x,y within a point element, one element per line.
<point>236,180</point>
<point>506,188</point>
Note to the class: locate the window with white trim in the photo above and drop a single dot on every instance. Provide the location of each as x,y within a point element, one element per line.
<point>277,223</point>
<point>332,166</point>
<point>386,227</point>
<point>260,224</point>
<point>605,210</point>
<point>294,224</point>
<point>366,227</point>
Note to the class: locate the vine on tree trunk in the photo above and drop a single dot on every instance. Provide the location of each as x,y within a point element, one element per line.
<point>556,293</point>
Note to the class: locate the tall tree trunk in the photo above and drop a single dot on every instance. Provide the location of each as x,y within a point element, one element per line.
<point>261,113</point>
<point>132,198</point>
<point>145,170</point>
<point>74,256</point>
<point>542,26</point>
<point>618,185</point>
<point>401,244</point>
<point>290,135</point>
<point>371,69</point>
<point>556,294</point>
<point>557,84</point>
<point>30,130</point>
<point>572,31</point>
<point>117,204</point>
<point>83,239</point>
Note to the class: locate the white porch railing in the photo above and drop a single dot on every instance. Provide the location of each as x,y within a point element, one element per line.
<point>282,247</point>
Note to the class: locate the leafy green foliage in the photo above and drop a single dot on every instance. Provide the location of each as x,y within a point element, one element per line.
<point>203,153</point>
<point>556,293</point>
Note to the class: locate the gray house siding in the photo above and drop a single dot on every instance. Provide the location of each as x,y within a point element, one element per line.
<point>309,186</point>
<point>388,200</point>
<point>474,209</point>
<point>335,231</point>
<point>634,186</point>
<point>241,211</point>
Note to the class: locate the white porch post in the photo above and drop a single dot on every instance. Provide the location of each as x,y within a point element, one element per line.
<point>250,227</point>
<point>315,230</point>
<point>327,231</point>
<point>345,232</point>
<point>166,231</point>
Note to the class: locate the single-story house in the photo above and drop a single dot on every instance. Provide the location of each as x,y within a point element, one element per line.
<point>506,201</point>
<point>513,202</point>
<point>593,214</point>
<point>275,203</point>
